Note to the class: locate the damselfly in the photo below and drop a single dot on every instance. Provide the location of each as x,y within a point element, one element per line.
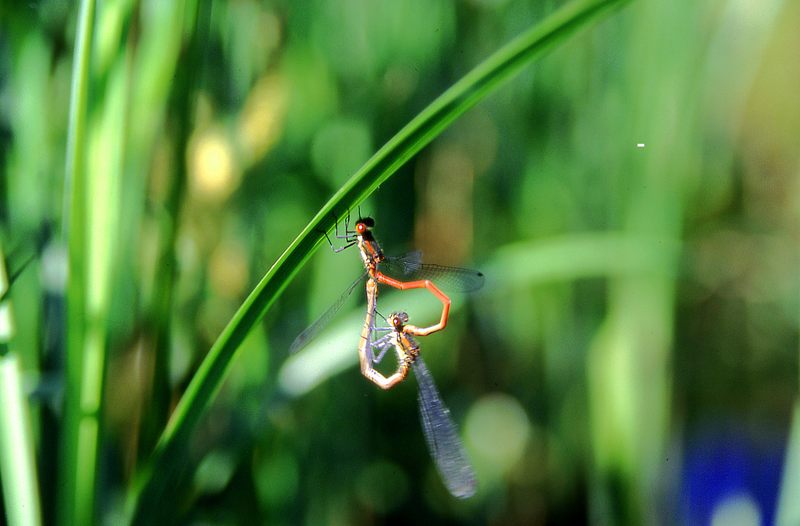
<point>440,431</point>
<point>381,268</point>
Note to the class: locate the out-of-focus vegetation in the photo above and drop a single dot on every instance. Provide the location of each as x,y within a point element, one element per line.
<point>632,199</point>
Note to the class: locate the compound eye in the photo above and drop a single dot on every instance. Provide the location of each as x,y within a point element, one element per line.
<point>361,228</point>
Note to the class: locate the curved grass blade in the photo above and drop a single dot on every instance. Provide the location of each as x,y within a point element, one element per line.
<point>165,469</point>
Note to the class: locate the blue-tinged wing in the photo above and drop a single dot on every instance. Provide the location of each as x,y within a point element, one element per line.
<point>442,437</point>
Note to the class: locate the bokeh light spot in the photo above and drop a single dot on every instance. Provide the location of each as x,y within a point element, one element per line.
<point>276,476</point>
<point>214,472</point>
<point>261,121</point>
<point>212,166</point>
<point>497,429</point>
<point>736,510</point>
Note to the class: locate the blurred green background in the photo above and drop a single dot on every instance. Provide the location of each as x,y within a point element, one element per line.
<point>632,358</point>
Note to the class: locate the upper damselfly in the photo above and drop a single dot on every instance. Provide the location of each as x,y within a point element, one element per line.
<point>404,272</point>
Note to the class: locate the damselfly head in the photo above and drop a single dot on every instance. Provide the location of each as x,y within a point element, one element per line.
<point>364,224</point>
<point>398,319</point>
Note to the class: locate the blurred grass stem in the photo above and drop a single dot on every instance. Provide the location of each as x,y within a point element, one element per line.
<point>17,458</point>
<point>79,434</point>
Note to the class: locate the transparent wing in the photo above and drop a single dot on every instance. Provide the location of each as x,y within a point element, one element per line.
<point>315,328</point>
<point>405,264</point>
<point>410,267</point>
<point>442,437</point>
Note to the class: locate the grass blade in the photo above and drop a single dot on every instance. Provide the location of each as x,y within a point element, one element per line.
<point>165,467</point>
<point>79,434</point>
<point>17,458</point>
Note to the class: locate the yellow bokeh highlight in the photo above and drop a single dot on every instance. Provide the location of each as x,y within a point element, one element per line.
<point>213,171</point>
<point>261,121</point>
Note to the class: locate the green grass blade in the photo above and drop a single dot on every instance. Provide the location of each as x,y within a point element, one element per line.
<point>17,458</point>
<point>161,475</point>
<point>75,501</point>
